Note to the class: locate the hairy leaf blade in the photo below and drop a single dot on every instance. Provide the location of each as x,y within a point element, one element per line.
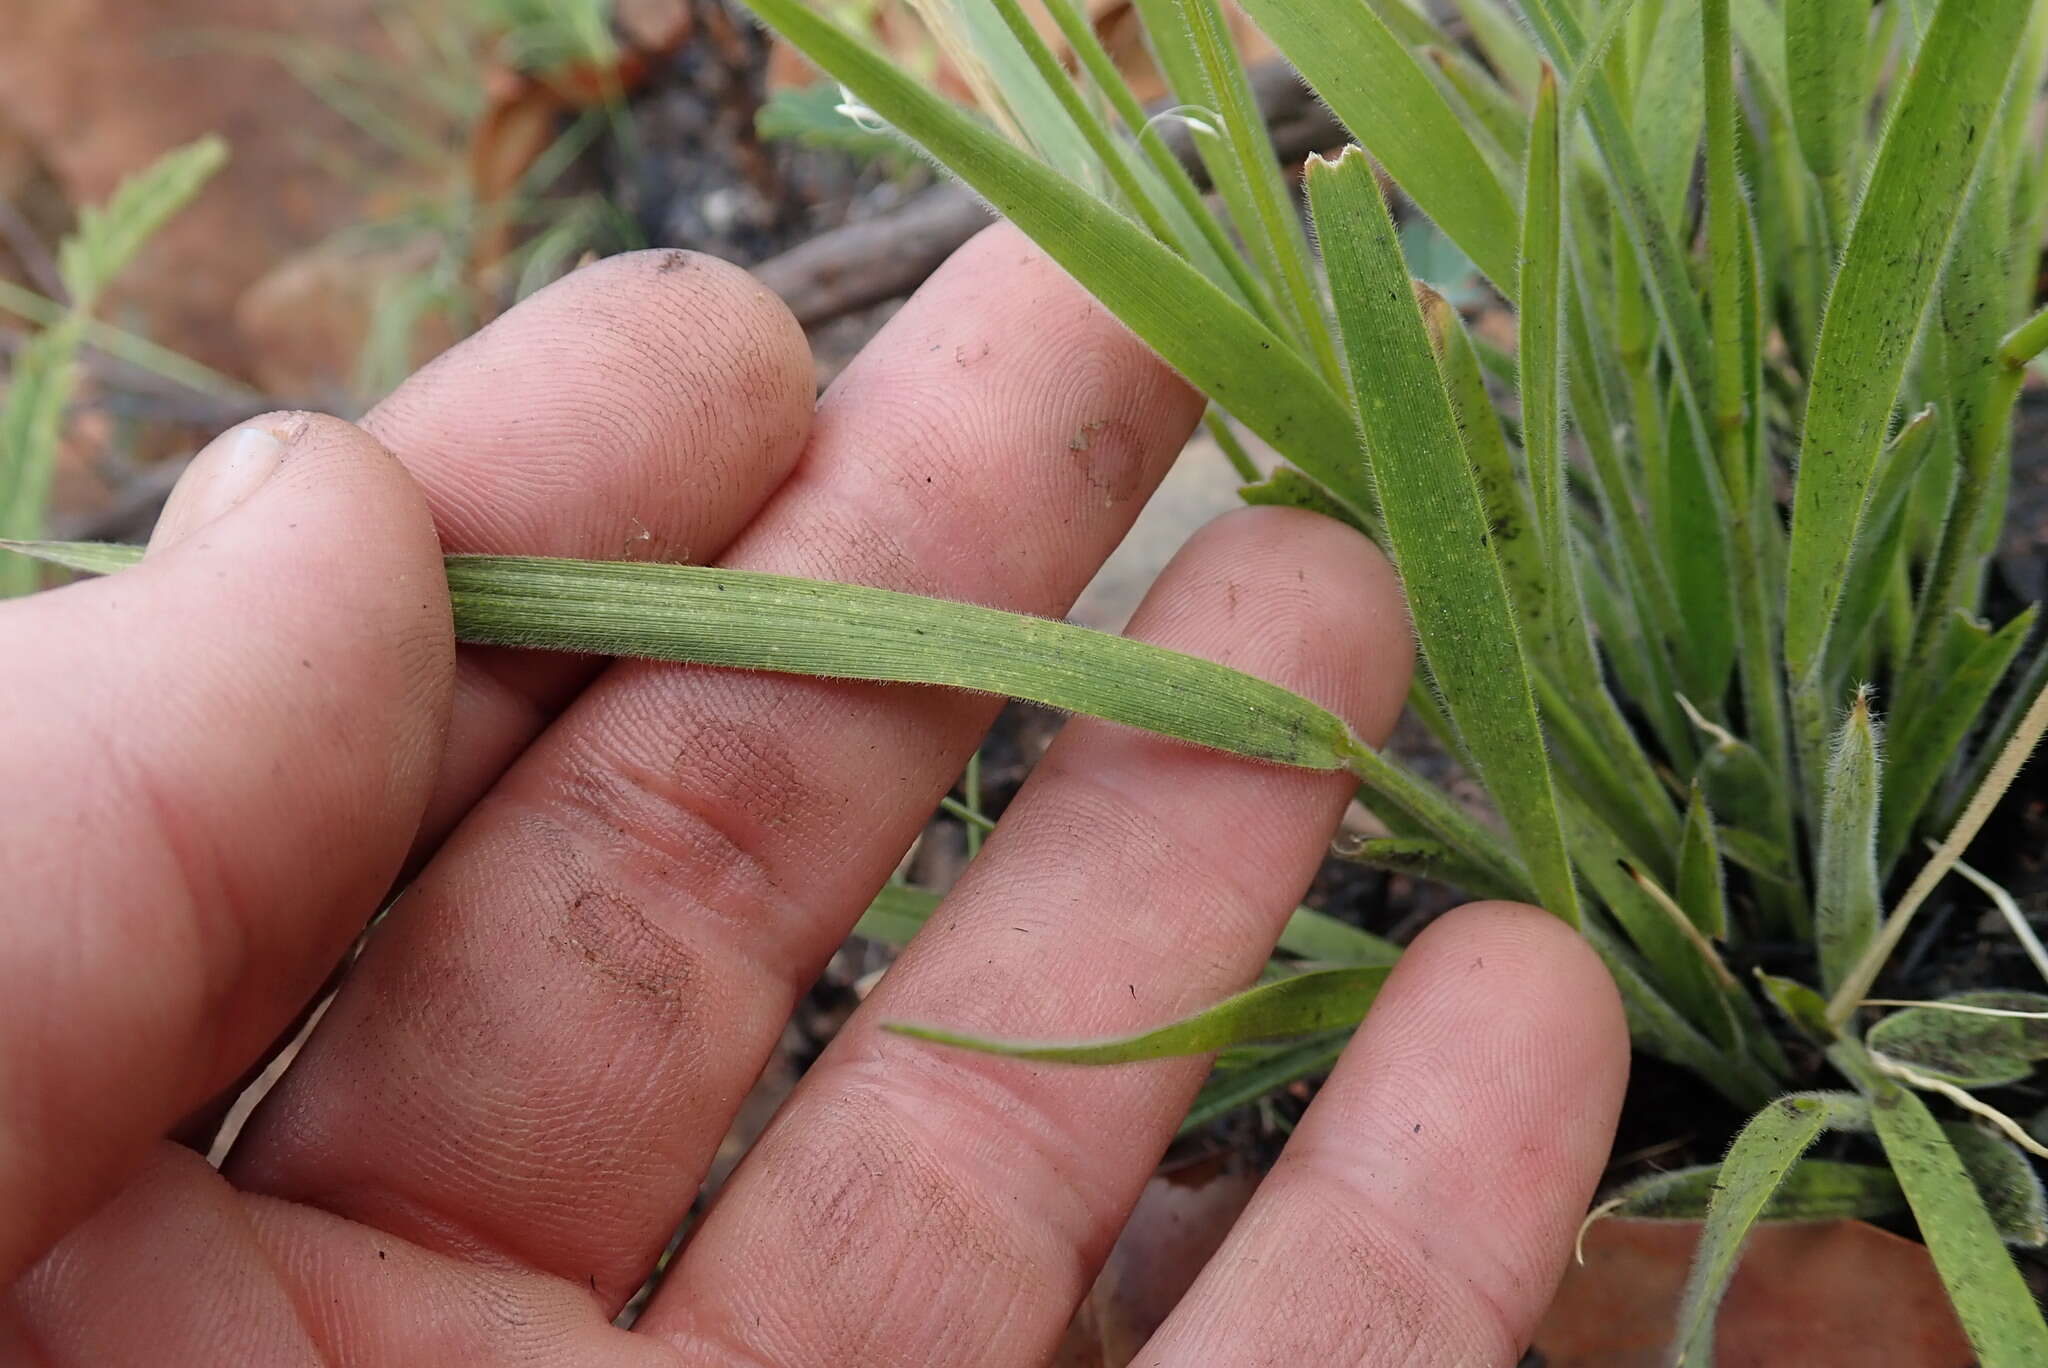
<point>1757,1164</point>
<point>1434,517</point>
<point>1847,888</point>
<point>1897,246</point>
<point>1990,1297</point>
<point>753,621</point>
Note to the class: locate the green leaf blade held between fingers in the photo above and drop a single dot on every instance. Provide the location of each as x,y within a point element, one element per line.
<point>1434,518</point>
<point>1323,1000</point>
<point>1897,246</point>
<point>1219,346</point>
<point>752,621</point>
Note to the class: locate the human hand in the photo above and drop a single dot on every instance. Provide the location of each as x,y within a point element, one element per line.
<point>220,761</point>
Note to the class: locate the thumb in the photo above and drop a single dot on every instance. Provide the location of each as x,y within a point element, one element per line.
<point>214,763</point>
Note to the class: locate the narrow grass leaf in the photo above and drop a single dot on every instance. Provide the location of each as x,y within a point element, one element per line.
<point>1421,858</point>
<point>1763,1154</point>
<point>2026,734</point>
<point>1660,1029</point>
<point>1274,226</point>
<point>1700,891</point>
<point>1824,64</point>
<point>1897,246</point>
<point>1926,740</point>
<point>1434,518</point>
<point>1323,1000</point>
<point>1500,486</point>
<point>897,914</point>
<point>1990,1297</point>
<point>1882,543</point>
<point>1216,343</point>
<point>747,620</point>
<point>1378,88</point>
<point>1847,885</point>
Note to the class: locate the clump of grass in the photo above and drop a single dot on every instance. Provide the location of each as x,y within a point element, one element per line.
<point>1726,520</point>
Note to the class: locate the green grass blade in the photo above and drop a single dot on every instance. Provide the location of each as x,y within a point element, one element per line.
<point>1879,548</point>
<point>1990,1297</point>
<point>1847,885</point>
<point>1504,42</point>
<point>2025,735</point>
<point>1275,227</point>
<point>1377,87</point>
<point>1421,858</point>
<point>1824,64</point>
<point>1166,167</point>
<point>1699,870</point>
<point>1499,125</point>
<point>1494,465</point>
<point>1696,547</point>
<point>1926,740</point>
<point>1316,936</point>
<point>1811,1190</point>
<point>1324,1000</point>
<point>1434,518</point>
<point>1659,1029</point>
<point>896,915</point>
<point>1102,149</point>
<point>1757,1163</point>
<point>1540,335</point>
<point>747,620</point>
<point>1896,249</point>
<point>1218,345</point>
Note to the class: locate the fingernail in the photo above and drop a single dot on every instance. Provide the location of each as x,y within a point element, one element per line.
<point>233,466</point>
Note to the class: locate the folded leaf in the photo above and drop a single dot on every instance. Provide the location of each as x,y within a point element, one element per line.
<point>747,620</point>
<point>1757,1163</point>
<point>1306,1004</point>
